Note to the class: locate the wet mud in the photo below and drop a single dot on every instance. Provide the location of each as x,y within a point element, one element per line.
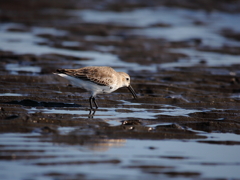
<point>181,103</point>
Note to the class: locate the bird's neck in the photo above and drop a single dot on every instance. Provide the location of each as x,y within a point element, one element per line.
<point>120,81</point>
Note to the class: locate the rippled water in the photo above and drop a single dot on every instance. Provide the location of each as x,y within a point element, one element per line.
<point>34,157</point>
<point>135,112</point>
<point>27,43</point>
<point>181,28</point>
<point>179,25</point>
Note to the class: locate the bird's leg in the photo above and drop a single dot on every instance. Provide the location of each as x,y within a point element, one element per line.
<point>90,101</point>
<point>94,100</point>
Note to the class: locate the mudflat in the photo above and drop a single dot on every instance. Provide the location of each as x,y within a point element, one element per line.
<point>184,63</point>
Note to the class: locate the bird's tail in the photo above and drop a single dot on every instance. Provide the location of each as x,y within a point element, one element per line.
<point>61,70</point>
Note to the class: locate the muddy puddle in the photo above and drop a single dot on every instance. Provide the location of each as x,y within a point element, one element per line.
<point>184,61</point>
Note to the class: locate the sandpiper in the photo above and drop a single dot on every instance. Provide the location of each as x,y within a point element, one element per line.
<point>97,80</point>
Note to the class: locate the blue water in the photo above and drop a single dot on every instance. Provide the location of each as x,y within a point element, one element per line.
<point>207,160</point>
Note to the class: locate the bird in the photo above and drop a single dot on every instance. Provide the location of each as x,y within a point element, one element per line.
<point>97,80</point>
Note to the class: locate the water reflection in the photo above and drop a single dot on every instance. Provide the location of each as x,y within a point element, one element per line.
<point>122,112</point>
<point>33,156</point>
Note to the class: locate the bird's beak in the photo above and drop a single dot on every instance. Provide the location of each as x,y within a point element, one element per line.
<point>132,91</point>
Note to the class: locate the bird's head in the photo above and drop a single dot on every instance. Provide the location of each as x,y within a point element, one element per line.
<point>126,83</point>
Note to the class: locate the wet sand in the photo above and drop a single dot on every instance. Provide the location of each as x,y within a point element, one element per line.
<point>188,88</point>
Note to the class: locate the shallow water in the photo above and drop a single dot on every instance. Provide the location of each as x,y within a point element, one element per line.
<point>15,68</point>
<point>114,116</point>
<point>129,159</point>
<point>28,43</point>
<point>179,25</point>
<point>213,59</point>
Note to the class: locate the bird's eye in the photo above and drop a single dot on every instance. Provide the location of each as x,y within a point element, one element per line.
<point>127,79</point>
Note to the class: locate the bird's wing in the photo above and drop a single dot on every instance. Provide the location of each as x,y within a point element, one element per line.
<point>103,76</point>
